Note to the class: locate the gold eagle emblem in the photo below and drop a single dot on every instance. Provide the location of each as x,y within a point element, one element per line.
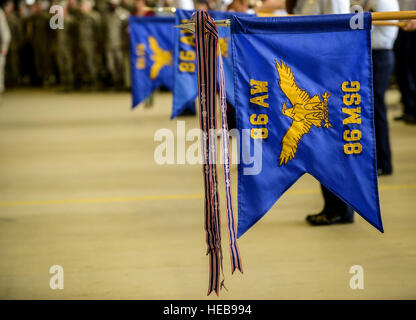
<point>223,46</point>
<point>305,112</point>
<point>160,57</point>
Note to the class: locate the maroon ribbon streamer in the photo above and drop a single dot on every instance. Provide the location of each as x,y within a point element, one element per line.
<point>206,49</point>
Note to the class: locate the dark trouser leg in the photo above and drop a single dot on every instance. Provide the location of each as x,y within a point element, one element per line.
<point>411,66</point>
<point>189,109</point>
<point>231,117</point>
<point>383,62</point>
<point>333,204</point>
<point>335,211</point>
<point>404,50</point>
<point>400,67</point>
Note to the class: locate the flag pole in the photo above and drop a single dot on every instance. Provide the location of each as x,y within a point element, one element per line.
<point>379,18</point>
<point>395,15</point>
<point>400,24</point>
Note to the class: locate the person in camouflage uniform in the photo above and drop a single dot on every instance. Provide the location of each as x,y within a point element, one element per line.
<point>74,11</point>
<point>12,61</point>
<point>65,43</point>
<point>127,4</point>
<point>115,22</point>
<point>88,30</point>
<point>38,34</point>
<point>27,56</point>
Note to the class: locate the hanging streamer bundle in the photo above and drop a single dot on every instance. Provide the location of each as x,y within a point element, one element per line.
<point>206,38</point>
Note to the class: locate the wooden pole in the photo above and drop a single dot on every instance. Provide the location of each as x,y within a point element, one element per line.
<point>400,24</point>
<point>379,18</point>
<point>396,15</point>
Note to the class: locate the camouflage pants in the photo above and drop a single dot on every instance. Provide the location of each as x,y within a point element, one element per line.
<point>43,63</point>
<point>12,67</point>
<point>65,66</point>
<point>87,66</point>
<point>114,58</point>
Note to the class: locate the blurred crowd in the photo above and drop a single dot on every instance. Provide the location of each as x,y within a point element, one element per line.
<point>91,51</point>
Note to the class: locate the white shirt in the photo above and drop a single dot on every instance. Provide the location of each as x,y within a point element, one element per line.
<point>382,37</point>
<point>406,5</point>
<point>311,7</point>
<point>184,4</point>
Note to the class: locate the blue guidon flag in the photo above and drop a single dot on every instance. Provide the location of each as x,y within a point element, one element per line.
<point>304,89</point>
<point>185,73</point>
<point>151,43</point>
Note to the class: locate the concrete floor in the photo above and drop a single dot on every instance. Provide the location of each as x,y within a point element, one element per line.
<point>79,188</point>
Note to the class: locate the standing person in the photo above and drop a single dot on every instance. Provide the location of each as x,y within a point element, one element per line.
<point>5,38</point>
<point>74,11</point>
<point>335,210</point>
<point>180,4</point>
<point>140,9</point>
<point>201,5</point>
<point>115,24</point>
<point>88,29</point>
<point>103,75</point>
<point>73,7</point>
<point>312,7</point>
<point>27,52</point>
<point>238,6</point>
<point>127,5</point>
<point>278,7</point>
<point>39,36</point>
<point>235,6</point>
<point>13,74</point>
<point>382,39</point>
<point>404,49</point>
<point>65,38</point>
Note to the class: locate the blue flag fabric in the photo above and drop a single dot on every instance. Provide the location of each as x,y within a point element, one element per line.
<point>304,89</point>
<point>185,74</point>
<point>151,43</point>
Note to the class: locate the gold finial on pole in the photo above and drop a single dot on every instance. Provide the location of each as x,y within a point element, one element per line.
<point>161,9</point>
